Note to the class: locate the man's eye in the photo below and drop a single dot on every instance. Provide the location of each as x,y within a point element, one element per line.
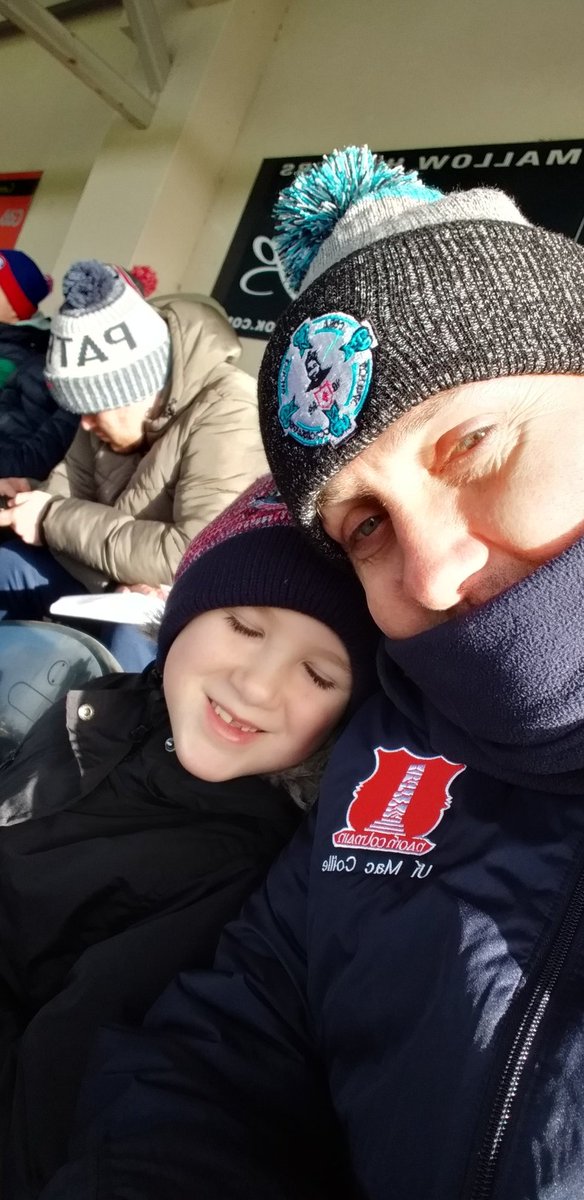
<point>366,528</point>
<point>470,440</point>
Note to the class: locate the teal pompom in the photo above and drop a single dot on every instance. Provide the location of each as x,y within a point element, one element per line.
<point>307,211</point>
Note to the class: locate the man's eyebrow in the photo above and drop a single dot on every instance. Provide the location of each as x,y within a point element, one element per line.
<point>335,491</point>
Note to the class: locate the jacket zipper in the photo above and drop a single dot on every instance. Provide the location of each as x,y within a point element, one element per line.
<point>517,1058</point>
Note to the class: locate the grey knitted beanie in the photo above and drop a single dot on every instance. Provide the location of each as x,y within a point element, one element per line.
<point>109,348</point>
<point>402,293</point>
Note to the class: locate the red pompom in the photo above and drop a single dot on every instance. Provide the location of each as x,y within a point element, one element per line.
<point>147,278</point>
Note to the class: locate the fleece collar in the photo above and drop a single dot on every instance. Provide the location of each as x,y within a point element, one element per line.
<point>502,688</point>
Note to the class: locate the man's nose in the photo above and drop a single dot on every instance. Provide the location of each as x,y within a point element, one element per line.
<point>439,555</point>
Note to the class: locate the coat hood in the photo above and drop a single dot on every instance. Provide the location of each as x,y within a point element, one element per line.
<point>204,347</point>
<point>501,688</point>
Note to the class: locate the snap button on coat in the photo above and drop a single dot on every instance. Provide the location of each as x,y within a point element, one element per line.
<point>138,733</point>
<point>85,712</point>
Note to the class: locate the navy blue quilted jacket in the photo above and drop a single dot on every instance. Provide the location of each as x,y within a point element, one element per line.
<point>398,1013</point>
<point>35,433</point>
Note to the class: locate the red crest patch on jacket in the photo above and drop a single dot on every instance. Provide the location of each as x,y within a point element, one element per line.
<point>399,804</point>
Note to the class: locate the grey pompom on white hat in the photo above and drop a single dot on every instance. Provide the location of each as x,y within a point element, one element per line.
<point>89,283</point>
<point>109,348</point>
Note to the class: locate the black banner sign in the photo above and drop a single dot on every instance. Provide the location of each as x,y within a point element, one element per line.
<point>545,178</point>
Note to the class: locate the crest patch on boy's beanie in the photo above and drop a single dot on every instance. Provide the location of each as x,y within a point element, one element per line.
<point>403,292</point>
<point>259,507</point>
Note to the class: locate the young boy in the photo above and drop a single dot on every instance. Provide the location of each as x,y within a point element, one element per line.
<point>141,811</point>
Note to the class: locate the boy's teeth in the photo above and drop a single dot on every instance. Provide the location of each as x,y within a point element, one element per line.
<point>222,712</point>
<point>229,720</point>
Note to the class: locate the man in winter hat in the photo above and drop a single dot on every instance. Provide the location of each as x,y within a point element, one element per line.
<point>169,435</point>
<point>35,432</point>
<point>399,1013</point>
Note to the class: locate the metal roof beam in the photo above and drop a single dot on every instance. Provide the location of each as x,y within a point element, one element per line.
<point>148,34</point>
<point>45,29</point>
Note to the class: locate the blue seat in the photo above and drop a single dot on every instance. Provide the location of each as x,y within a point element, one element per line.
<point>39,662</point>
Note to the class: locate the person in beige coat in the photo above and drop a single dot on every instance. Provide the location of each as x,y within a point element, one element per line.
<point>168,437</point>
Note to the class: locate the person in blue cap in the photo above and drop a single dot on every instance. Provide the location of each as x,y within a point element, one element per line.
<point>34,432</point>
<point>23,286</point>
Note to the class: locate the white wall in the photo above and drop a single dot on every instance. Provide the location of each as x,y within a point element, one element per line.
<point>151,190</point>
<point>52,123</point>
<point>110,190</point>
<point>401,73</point>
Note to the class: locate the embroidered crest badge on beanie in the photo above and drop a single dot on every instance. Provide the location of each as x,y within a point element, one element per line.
<point>109,348</point>
<point>402,292</point>
<point>254,555</point>
<point>23,283</point>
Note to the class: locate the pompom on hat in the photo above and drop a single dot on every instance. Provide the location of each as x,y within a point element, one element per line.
<point>254,555</point>
<point>402,293</point>
<point>146,278</point>
<point>108,348</point>
<point>23,283</point>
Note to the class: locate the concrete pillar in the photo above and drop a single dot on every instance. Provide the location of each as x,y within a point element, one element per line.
<point>150,191</point>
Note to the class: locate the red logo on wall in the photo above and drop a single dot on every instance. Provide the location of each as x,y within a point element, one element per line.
<point>16,193</point>
<point>399,804</point>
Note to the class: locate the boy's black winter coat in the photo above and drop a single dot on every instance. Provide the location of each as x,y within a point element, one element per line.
<point>117,870</point>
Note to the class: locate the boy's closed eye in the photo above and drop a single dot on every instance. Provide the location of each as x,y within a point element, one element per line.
<point>251,631</point>
<point>320,680</point>
<point>240,627</point>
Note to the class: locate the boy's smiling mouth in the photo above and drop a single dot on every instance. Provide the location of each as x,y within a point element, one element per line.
<point>232,722</point>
